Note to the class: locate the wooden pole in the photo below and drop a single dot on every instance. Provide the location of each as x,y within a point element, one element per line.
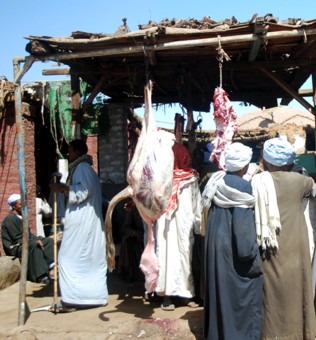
<point>28,62</point>
<point>288,89</point>
<point>75,103</point>
<point>314,102</point>
<point>23,190</point>
<point>55,251</point>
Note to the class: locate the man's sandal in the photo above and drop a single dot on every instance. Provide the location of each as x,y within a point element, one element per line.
<point>61,308</point>
<point>168,307</point>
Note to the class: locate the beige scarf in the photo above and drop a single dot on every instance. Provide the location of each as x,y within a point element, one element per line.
<point>73,165</point>
<point>267,214</point>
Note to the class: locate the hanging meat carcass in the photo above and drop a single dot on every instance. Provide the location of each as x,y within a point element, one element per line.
<point>226,126</point>
<point>150,177</point>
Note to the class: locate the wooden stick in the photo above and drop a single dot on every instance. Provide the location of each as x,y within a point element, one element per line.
<point>55,251</point>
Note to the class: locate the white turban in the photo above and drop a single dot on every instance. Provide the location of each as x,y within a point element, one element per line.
<point>12,199</point>
<point>237,156</point>
<point>278,152</point>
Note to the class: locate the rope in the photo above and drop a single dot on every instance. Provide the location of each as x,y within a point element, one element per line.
<point>305,36</point>
<point>221,55</point>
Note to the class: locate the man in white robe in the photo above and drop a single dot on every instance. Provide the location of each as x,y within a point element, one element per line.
<point>81,261</point>
<point>175,228</point>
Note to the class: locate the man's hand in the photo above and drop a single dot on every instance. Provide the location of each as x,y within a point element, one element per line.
<point>59,187</point>
<point>40,244</point>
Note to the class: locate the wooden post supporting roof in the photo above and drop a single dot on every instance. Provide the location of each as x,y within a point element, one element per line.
<point>18,72</point>
<point>93,94</point>
<point>289,90</point>
<point>75,102</point>
<point>23,190</point>
<point>314,100</point>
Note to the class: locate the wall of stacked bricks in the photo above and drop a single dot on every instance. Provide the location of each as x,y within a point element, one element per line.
<point>111,166</point>
<point>113,153</point>
<point>9,168</point>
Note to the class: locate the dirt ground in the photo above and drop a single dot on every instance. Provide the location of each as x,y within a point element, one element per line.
<point>127,316</point>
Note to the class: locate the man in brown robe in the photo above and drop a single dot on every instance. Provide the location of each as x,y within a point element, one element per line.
<point>288,309</point>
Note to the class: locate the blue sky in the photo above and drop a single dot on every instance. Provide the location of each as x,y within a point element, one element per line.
<point>60,18</point>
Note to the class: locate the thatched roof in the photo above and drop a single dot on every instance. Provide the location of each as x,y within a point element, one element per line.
<point>263,59</point>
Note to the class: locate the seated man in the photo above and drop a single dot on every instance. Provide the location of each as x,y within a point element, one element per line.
<point>41,250</point>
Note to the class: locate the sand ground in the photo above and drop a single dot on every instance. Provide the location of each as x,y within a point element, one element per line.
<point>128,315</point>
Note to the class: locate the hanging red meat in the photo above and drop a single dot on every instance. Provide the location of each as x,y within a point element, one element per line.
<point>226,126</point>
<point>150,177</point>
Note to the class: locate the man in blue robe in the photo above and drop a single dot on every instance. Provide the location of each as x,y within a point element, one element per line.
<point>233,275</point>
<point>81,260</point>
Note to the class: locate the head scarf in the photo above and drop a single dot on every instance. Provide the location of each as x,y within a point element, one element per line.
<point>278,152</point>
<point>237,156</point>
<point>182,158</point>
<point>12,199</point>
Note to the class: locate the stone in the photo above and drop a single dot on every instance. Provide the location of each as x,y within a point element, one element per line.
<point>10,269</point>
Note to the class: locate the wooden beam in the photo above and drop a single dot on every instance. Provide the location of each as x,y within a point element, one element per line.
<point>93,94</point>
<point>303,51</point>
<point>152,58</point>
<point>288,89</point>
<point>56,72</point>
<point>314,101</point>
<point>314,88</point>
<point>75,103</point>
<point>307,93</point>
<point>260,32</point>
<point>183,44</point>
<point>28,62</point>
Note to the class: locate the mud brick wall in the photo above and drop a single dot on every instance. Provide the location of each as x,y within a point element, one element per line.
<point>9,169</point>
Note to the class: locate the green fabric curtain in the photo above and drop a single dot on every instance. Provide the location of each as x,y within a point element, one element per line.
<point>60,105</point>
<point>60,108</point>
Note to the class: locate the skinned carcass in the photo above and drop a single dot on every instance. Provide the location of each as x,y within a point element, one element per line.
<point>150,177</point>
<point>226,126</point>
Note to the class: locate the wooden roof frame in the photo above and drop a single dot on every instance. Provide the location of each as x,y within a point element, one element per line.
<point>267,60</point>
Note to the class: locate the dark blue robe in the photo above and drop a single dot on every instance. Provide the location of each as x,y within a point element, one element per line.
<point>38,260</point>
<point>233,273</point>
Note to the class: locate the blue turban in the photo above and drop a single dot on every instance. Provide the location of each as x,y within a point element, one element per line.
<point>278,152</point>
